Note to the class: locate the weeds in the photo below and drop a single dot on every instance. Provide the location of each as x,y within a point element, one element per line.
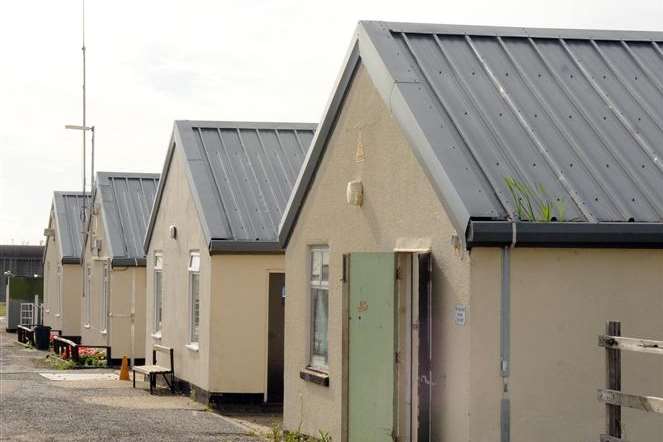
<point>278,435</point>
<point>534,204</point>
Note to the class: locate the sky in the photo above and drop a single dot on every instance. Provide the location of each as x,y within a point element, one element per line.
<point>150,62</point>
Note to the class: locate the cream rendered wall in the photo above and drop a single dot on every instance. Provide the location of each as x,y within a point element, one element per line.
<point>399,203</point>
<point>178,208</point>
<point>52,317</point>
<point>123,281</point>
<point>71,296</point>
<point>560,302</point>
<point>239,321</point>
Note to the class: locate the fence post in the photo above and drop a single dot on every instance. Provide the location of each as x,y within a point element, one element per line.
<point>614,372</point>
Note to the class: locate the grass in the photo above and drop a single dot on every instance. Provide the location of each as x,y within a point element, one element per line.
<point>3,309</point>
<point>534,204</point>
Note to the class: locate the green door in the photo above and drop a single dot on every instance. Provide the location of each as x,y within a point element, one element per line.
<point>372,342</point>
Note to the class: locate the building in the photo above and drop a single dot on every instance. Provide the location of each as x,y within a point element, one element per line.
<point>19,261</point>
<point>425,300</point>
<point>63,279</point>
<point>24,301</point>
<point>215,270</point>
<point>113,305</point>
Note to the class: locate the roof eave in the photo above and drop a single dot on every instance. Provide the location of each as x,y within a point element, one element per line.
<point>128,262</point>
<point>224,246</point>
<point>564,235</point>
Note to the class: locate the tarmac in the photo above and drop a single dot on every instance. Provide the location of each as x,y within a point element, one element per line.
<point>38,403</point>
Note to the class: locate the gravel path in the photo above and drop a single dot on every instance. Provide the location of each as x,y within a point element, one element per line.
<point>37,409</point>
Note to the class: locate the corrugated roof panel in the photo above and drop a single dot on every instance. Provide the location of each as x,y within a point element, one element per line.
<point>579,114</point>
<point>68,209</point>
<point>244,173</point>
<point>127,200</point>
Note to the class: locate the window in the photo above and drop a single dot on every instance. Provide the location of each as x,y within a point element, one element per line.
<point>105,295</point>
<point>194,297</point>
<point>158,291</point>
<point>86,293</point>
<point>319,285</point>
<point>60,290</point>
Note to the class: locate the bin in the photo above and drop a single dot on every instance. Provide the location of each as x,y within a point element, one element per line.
<point>42,337</point>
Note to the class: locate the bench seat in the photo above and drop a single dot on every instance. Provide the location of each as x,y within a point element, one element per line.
<point>151,369</point>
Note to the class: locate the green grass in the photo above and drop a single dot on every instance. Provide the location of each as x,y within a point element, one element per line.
<point>3,309</point>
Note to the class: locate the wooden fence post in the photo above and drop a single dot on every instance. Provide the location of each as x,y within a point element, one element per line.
<point>614,372</point>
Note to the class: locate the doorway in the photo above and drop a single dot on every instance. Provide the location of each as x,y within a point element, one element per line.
<point>389,346</point>
<point>276,318</point>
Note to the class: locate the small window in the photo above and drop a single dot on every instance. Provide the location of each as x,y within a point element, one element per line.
<point>105,297</point>
<point>194,297</point>
<point>319,286</point>
<point>158,291</point>
<point>60,290</point>
<point>86,293</point>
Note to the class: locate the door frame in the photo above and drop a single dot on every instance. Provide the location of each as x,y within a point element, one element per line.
<point>268,274</point>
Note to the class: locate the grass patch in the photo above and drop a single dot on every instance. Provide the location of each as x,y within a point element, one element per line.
<point>3,309</point>
<point>59,364</point>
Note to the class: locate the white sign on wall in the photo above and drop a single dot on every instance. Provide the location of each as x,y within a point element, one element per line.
<point>461,314</point>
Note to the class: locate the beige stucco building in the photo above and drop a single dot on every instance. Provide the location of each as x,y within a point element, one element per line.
<point>113,302</point>
<point>63,283</point>
<point>215,273</point>
<point>422,302</point>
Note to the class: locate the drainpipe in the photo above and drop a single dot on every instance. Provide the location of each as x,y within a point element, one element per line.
<point>505,339</point>
<point>132,314</point>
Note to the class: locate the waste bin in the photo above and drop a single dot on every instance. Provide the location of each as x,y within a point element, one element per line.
<point>42,337</point>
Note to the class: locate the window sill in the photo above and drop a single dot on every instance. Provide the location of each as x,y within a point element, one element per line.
<point>104,332</point>
<point>192,347</point>
<point>57,315</point>
<point>86,325</point>
<point>47,310</point>
<point>315,376</point>
<point>156,335</point>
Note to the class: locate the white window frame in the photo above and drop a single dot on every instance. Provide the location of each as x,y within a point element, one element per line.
<point>317,283</point>
<point>158,291</point>
<point>87,294</point>
<point>105,296</point>
<point>193,269</point>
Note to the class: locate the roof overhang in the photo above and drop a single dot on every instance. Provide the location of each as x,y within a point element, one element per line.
<point>128,262</point>
<point>581,235</point>
<point>222,246</point>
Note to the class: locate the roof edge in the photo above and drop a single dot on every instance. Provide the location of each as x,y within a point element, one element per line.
<point>268,125</point>
<point>508,31</point>
<point>221,246</point>
<point>70,260</point>
<point>318,145</point>
<point>128,262</point>
<point>564,235</point>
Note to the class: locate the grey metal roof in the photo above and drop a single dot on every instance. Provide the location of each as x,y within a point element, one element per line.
<point>126,200</point>
<point>579,112</point>
<point>68,214</point>
<point>241,175</point>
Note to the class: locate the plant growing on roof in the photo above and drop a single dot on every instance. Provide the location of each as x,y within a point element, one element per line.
<point>534,204</point>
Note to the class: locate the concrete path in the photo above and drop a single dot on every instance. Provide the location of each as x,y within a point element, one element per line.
<point>36,408</point>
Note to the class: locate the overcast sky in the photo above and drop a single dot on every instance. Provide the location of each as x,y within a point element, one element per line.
<point>151,62</point>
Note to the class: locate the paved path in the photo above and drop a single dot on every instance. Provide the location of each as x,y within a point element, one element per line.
<point>35,408</point>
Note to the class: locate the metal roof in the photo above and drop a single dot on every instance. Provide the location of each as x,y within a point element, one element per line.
<point>68,215</point>
<point>578,112</point>
<point>241,175</point>
<point>126,200</point>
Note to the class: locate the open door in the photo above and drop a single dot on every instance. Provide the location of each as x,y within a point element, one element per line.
<point>389,340</point>
<point>276,319</point>
<point>372,347</point>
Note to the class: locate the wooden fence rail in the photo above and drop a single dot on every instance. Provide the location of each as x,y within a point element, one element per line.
<point>612,396</point>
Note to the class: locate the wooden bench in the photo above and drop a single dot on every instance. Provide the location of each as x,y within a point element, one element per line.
<point>152,371</point>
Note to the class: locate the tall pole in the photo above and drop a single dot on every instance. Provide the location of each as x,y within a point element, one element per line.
<point>84,101</point>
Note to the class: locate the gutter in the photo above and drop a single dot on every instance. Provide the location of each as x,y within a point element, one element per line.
<point>586,235</point>
<point>220,246</point>
<point>71,260</point>
<point>128,262</point>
